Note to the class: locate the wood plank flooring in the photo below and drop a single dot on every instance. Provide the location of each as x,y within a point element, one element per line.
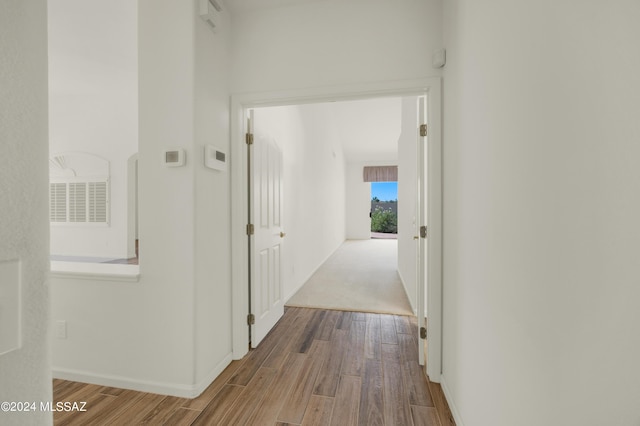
<point>316,367</point>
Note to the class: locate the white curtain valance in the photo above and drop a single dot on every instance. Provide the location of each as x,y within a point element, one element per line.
<point>380,173</point>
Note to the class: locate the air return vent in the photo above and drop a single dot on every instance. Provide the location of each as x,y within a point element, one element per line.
<point>79,202</point>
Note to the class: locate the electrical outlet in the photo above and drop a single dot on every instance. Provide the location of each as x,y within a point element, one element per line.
<point>61,329</point>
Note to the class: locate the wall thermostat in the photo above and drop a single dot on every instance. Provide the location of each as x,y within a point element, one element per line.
<point>215,158</point>
<point>174,157</point>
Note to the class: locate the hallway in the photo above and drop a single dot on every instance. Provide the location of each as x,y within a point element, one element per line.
<point>316,367</point>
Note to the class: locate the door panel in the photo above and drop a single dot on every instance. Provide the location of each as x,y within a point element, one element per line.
<point>266,277</point>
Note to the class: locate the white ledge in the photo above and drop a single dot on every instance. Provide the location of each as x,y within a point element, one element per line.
<point>95,271</point>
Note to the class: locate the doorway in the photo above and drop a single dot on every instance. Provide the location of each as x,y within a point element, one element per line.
<point>327,148</point>
<point>240,105</point>
<point>384,210</point>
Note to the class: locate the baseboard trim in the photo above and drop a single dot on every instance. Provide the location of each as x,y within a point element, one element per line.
<point>452,405</point>
<point>213,374</point>
<point>299,286</point>
<point>172,389</point>
<point>406,293</point>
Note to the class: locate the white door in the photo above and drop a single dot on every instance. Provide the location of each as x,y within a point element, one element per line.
<point>422,222</point>
<point>266,298</point>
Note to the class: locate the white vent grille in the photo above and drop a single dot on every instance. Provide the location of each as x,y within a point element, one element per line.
<point>79,202</point>
<point>58,202</point>
<point>98,202</point>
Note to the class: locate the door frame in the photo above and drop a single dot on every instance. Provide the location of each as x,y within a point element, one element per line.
<point>240,103</point>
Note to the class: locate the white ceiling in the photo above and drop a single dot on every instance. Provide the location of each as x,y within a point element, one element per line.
<point>369,129</point>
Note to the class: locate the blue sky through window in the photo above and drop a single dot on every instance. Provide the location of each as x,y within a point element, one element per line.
<point>385,191</point>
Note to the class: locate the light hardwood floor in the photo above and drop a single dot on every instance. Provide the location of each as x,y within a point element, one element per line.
<point>316,367</point>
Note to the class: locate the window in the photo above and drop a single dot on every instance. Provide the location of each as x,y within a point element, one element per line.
<point>79,201</point>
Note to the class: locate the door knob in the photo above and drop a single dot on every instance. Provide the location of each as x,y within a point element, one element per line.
<point>282,234</point>
<point>415,237</point>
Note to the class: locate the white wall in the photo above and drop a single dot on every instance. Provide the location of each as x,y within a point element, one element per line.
<point>169,333</point>
<point>212,200</point>
<point>358,204</point>
<point>25,373</point>
<point>329,43</point>
<point>407,202</point>
<point>93,107</point>
<point>541,207</point>
<point>314,186</point>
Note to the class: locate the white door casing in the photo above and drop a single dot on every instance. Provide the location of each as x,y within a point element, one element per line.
<point>432,192</point>
<point>240,103</point>
<point>267,304</point>
<point>423,278</point>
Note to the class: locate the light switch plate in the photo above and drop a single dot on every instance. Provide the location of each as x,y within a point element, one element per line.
<point>10,302</point>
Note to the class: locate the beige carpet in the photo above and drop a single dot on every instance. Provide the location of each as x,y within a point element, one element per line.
<point>360,276</point>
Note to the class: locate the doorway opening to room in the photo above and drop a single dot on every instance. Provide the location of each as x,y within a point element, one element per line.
<point>306,162</point>
<point>325,199</point>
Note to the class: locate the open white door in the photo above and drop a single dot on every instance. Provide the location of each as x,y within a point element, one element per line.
<point>421,133</point>
<point>266,198</point>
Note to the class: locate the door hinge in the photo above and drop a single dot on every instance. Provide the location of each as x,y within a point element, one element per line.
<point>249,138</point>
<point>423,231</point>
<point>423,130</point>
<point>250,229</point>
<point>423,333</point>
<point>251,319</point>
